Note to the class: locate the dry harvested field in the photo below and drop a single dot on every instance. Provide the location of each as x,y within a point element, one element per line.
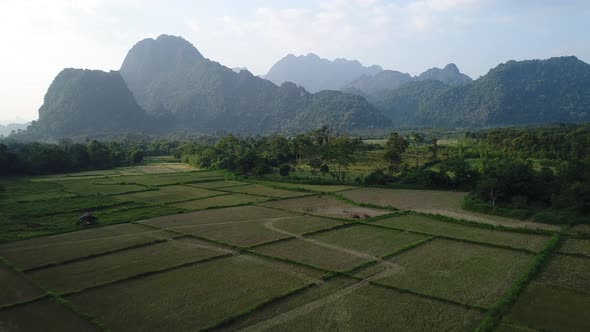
<point>327,206</point>
<point>447,203</point>
<point>196,252</point>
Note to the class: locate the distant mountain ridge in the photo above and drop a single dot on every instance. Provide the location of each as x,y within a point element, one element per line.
<point>165,85</point>
<point>513,93</point>
<point>387,80</point>
<point>316,74</point>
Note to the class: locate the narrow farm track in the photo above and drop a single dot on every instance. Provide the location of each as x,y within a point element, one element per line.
<point>314,305</point>
<point>269,225</point>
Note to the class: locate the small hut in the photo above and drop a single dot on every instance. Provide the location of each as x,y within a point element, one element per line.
<point>87,219</point>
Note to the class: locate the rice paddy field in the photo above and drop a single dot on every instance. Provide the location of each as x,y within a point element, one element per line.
<point>180,249</point>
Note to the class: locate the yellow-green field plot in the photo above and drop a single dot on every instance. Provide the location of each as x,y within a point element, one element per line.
<point>312,187</point>
<point>576,246</point>
<point>15,288</point>
<point>581,229</point>
<point>194,297</point>
<point>558,298</point>
<point>370,240</point>
<point>418,223</point>
<point>45,315</point>
<point>105,186</point>
<point>220,201</point>
<point>326,206</point>
<point>33,253</point>
<point>467,273</point>
<point>256,189</point>
<point>172,178</point>
<point>104,269</point>
<point>447,203</point>
<point>170,194</point>
<point>361,307</point>
<point>218,184</point>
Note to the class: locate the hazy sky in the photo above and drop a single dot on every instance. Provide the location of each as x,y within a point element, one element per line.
<point>40,38</point>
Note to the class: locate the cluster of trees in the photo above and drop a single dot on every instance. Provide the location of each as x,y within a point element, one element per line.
<point>321,150</point>
<point>45,158</point>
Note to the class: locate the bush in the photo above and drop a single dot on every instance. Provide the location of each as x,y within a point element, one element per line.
<point>284,170</point>
<point>324,169</point>
<point>474,203</point>
<point>378,177</point>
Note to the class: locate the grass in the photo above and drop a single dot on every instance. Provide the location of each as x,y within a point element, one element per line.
<point>45,315</point>
<point>418,223</point>
<point>170,194</point>
<point>15,288</point>
<point>326,206</point>
<point>255,189</point>
<point>457,271</point>
<point>370,308</point>
<point>370,240</point>
<point>241,213</point>
<point>312,254</point>
<point>220,201</point>
<point>37,252</point>
<point>211,291</point>
<point>576,246</point>
<point>104,269</point>
<point>21,189</point>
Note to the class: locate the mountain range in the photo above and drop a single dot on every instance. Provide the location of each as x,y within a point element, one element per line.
<point>166,84</point>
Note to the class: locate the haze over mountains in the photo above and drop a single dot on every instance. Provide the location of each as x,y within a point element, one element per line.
<point>167,85</point>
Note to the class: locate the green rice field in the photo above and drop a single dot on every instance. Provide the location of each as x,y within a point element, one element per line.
<point>179,249</point>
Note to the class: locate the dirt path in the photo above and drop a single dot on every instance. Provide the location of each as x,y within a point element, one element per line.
<point>317,304</point>
<point>270,225</point>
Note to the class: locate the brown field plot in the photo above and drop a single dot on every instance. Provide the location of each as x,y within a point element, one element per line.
<point>447,203</point>
<point>326,206</point>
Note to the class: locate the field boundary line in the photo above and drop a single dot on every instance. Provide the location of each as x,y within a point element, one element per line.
<point>198,237</point>
<point>488,244</point>
<point>497,311</point>
<point>25,302</point>
<point>146,274</point>
<point>303,213</point>
<point>572,254</point>
<point>195,199</point>
<point>105,253</point>
<point>246,312</point>
<point>430,297</point>
<point>287,260</point>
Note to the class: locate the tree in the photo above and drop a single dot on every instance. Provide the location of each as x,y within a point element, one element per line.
<point>284,170</point>
<point>417,139</point>
<point>394,147</point>
<point>340,153</point>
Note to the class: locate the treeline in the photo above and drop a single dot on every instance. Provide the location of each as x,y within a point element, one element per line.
<point>320,150</point>
<point>67,156</point>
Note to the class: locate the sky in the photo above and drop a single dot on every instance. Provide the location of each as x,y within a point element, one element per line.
<point>41,37</point>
